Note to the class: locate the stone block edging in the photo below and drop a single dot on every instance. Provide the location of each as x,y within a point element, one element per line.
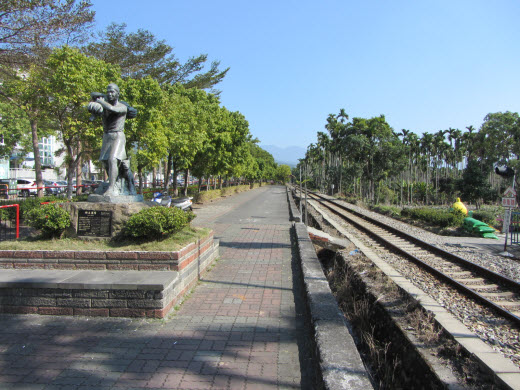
<point>293,210</point>
<point>106,293</point>
<point>341,366</point>
<point>106,260</point>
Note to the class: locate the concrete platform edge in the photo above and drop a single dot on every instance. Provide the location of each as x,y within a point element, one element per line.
<point>293,210</point>
<point>340,363</point>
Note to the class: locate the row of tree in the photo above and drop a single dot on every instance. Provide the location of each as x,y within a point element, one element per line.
<point>45,85</point>
<point>368,159</point>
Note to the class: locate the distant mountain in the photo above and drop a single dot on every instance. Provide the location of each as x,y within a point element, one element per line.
<point>288,155</point>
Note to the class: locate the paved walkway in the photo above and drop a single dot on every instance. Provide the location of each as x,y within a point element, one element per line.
<point>241,328</point>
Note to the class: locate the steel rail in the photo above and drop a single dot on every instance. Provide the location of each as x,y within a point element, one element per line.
<point>493,276</point>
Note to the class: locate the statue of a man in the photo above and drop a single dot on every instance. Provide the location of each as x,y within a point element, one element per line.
<point>113,149</point>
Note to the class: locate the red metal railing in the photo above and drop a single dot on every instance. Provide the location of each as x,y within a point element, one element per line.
<point>17,206</point>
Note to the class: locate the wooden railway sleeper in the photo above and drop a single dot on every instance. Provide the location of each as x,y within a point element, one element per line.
<point>508,305</point>
<point>472,281</point>
<point>487,287</point>
<point>498,294</point>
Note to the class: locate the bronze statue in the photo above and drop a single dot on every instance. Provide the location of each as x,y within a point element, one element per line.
<point>113,152</point>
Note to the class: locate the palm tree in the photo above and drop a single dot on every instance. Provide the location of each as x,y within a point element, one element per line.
<point>439,149</point>
<point>426,149</point>
<point>405,134</point>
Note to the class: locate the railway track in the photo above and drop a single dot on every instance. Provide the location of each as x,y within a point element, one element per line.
<point>490,289</point>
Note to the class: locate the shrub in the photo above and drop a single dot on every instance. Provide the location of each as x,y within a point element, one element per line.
<point>193,189</point>
<point>487,216</point>
<point>50,219</point>
<point>242,188</point>
<point>5,214</point>
<point>80,198</point>
<point>228,191</point>
<point>8,213</point>
<point>206,196</point>
<point>29,204</point>
<point>391,211</point>
<point>436,217</point>
<point>156,222</point>
<point>386,195</point>
<point>351,198</point>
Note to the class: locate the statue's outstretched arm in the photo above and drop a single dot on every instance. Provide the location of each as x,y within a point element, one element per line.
<point>118,108</point>
<point>95,108</point>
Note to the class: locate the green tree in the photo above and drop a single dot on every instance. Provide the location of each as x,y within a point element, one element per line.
<point>373,142</point>
<point>140,55</point>
<point>266,166</point>
<point>473,186</point>
<point>209,119</point>
<point>238,148</point>
<point>499,144</point>
<point>146,134</point>
<point>283,172</point>
<point>29,27</point>
<point>24,91</point>
<point>185,129</point>
<point>70,77</point>
<point>501,135</point>
<point>13,130</point>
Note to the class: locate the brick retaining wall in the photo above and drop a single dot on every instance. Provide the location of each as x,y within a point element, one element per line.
<point>105,260</point>
<point>108,284</point>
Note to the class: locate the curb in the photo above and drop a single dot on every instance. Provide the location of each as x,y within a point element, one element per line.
<point>293,210</point>
<point>340,364</point>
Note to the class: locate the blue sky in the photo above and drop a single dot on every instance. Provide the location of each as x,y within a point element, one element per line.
<point>426,65</point>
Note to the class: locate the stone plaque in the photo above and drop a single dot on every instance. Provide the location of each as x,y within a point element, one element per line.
<point>94,223</point>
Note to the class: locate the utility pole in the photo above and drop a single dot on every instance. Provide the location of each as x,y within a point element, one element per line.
<point>306,194</point>
<point>508,202</point>
<point>301,185</point>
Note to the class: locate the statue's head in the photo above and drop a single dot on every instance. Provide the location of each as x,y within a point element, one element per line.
<point>112,92</point>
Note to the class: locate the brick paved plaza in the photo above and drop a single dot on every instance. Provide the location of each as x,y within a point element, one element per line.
<point>242,326</point>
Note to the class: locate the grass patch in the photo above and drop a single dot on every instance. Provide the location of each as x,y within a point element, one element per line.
<point>206,196</point>
<point>391,211</point>
<point>175,242</point>
<point>436,217</point>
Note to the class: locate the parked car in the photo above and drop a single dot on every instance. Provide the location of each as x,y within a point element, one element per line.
<point>89,186</point>
<point>51,187</point>
<point>62,185</point>
<point>4,188</point>
<point>26,187</point>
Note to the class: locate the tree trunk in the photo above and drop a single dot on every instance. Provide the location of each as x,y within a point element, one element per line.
<point>79,168</point>
<point>154,177</point>
<point>167,172</point>
<point>140,175</point>
<point>186,180</point>
<point>79,188</point>
<point>175,187</point>
<point>70,178</point>
<point>37,161</point>
<point>71,167</point>
<point>340,174</point>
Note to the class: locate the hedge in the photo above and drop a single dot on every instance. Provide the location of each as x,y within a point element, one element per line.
<point>437,217</point>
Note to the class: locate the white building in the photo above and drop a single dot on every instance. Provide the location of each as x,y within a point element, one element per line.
<point>22,166</point>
